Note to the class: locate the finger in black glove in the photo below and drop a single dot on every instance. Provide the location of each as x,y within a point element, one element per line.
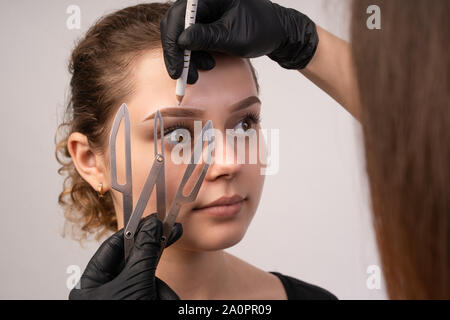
<point>243,28</point>
<point>108,277</point>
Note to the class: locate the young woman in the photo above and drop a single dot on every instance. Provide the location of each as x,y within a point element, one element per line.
<point>120,60</point>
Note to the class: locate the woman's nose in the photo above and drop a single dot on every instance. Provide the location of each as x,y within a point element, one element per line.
<point>225,163</point>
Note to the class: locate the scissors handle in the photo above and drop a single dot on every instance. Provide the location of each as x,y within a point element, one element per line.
<point>147,190</point>
<point>161,180</point>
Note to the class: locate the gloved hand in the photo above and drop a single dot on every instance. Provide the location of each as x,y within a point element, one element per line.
<point>244,28</point>
<point>108,277</point>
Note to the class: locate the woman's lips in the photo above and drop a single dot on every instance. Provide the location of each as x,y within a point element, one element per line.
<point>223,207</point>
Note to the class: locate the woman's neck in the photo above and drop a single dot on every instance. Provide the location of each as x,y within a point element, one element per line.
<point>196,275</point>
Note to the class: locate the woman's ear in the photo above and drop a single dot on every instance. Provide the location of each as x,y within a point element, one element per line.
<point>88,164</point>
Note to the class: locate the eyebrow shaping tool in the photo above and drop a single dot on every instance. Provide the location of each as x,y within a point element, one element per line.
<point>155,177</point>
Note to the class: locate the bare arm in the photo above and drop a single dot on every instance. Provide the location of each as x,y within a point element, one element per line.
<point>333,71</point>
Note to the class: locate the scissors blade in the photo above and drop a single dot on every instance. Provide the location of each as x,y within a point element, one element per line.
<point>161,180</point>
<point>180,199</point>
<point>125,189</point>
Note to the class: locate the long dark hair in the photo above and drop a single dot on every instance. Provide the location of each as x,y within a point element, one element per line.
<point>403,72</point>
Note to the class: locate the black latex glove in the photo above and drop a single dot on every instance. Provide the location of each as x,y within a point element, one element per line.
<point>244,28</point>
<point>107,277</point>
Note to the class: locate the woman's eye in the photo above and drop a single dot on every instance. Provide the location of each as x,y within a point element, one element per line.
<point>178,136</point>
<point>243,125</point>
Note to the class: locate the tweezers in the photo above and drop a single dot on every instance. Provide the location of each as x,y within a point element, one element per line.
<point>155,177</point>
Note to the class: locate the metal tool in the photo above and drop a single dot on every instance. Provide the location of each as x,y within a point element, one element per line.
<point>155,177</point>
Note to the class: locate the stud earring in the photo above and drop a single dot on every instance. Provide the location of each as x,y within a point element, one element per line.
<point>100,191</point>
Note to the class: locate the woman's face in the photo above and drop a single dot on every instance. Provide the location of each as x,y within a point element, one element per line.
<point>215,94</point>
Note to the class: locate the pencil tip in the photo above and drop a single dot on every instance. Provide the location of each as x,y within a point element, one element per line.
<point>179,99</point>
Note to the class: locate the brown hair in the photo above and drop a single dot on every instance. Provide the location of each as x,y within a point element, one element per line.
<point>403,72</point>
<point>101,64</point>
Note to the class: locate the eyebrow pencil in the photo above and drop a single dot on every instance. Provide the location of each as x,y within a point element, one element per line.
<point>191,15</point>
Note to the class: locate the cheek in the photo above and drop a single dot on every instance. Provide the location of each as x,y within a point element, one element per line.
<point>251,174</point>
<point>174,174</point>
<point>254,183</point>
<point>142,158</point>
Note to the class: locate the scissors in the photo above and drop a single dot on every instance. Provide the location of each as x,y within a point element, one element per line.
<point>155,177</point>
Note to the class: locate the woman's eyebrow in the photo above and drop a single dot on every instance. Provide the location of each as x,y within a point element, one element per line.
<point>177,112</point>
<point>243,104</point>
<point>181,112</point>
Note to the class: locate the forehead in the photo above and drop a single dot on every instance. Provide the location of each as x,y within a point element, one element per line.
<point>230,81</point>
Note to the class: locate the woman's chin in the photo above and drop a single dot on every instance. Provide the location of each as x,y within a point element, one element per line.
<point>213,241</point>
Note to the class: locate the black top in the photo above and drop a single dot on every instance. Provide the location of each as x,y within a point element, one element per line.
<point>300,290</point>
